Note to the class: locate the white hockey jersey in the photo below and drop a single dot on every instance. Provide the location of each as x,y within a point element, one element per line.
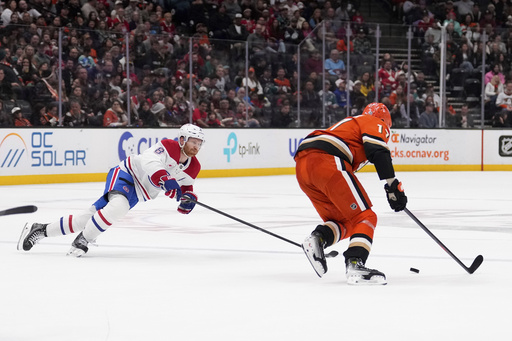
<point>161,159</point>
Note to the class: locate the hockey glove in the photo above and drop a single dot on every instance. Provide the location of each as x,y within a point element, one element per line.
<point>170,186</point>
<point>185,205</point>
<point>396,196</point>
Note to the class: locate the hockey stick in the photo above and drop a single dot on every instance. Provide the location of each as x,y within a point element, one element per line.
<point>330,254</point>
<point>476,263</point>
<point>19,210</point>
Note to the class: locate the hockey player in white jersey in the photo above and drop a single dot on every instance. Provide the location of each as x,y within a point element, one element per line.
<point>169,166</point>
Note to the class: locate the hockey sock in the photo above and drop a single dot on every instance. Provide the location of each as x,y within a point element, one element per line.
<point>117,207</point>
<point>331,232</point>
<point>358,247</point>
<point>69,224</point>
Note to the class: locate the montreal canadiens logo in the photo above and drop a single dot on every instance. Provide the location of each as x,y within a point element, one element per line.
<point>126,189</point>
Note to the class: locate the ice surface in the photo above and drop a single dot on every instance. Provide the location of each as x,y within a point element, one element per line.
<point>160,275</point>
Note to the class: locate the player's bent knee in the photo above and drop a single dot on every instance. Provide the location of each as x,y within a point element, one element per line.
<point>117,207</point>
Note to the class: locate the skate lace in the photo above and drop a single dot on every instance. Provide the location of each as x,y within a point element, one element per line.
<point>35,237</point>
<point>81,242</point>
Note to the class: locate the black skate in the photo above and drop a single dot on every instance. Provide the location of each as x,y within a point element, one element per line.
<point>31,235</point>
<point>79,246</point>
<point>358,274</point>
<point>313,247</point>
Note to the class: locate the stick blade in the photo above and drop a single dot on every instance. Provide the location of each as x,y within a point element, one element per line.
<point>476,263</point>
<point>19,210</point>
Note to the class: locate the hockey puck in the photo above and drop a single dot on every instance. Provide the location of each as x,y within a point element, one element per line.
<point>414,270</point>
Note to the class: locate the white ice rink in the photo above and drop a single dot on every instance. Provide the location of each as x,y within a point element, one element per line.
<point>160,275</point>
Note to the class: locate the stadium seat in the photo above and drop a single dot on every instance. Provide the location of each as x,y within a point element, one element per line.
<point>8,105</point>
<point>25,107</point>
<point>473,87</point>
<point>457,81</point>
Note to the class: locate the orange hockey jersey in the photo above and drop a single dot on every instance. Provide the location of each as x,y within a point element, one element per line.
<point>356,140</point>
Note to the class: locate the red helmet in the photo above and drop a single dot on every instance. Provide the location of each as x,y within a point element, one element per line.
<point>379,110</point>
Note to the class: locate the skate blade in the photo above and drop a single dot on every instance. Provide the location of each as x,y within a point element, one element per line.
<point>317,266</point>
<point>374,280</point>
<point>24,234</point>
<point>75,252</point>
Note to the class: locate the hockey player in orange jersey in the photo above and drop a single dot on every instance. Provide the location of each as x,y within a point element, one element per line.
<point>326,161</point>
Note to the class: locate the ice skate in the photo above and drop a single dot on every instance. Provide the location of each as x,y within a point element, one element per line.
<point>79,246</point>
<point>313,247</point>
<point>358,274</point>
<point>31,235</point>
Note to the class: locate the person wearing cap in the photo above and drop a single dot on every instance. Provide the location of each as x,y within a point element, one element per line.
<point>237,31</point>
<point>19,120</point>
<point>363,47</point>
<point>356,93</point>
<point>341,93</point>
<point>252,82</point>
<point>203,93</point>
<point>428,118</point>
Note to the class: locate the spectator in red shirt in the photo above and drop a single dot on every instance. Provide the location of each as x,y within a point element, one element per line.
<point>387,76</point>
<point>200,116</point>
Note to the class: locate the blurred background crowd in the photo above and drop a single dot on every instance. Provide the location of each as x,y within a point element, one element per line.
<point>251,63</point>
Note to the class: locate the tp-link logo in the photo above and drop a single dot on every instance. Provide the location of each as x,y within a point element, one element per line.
<point>231,149</point>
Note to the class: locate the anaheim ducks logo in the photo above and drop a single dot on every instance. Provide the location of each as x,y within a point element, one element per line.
<point>505,145</point>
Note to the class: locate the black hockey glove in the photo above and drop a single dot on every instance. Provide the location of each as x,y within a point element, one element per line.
<point>396,196</point>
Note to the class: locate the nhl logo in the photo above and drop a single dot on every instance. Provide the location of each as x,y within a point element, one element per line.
<point>505,146</point>
<point>353,206</point>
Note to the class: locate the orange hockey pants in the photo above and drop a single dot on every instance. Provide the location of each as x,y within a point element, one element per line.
<point>335,192</point>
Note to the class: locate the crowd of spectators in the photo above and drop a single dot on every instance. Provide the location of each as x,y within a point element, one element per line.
<point>187,61</point>
<point>466,23</point>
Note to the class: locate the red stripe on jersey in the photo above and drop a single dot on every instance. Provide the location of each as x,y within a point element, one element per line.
<point>71,224</point>
<point>146,195</point>
<point>103,218</point>
<point>113,180</point>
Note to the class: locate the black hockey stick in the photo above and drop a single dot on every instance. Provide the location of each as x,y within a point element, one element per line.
<point>476,263</point>
<point>330,254</point>
<point>19,210</point>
